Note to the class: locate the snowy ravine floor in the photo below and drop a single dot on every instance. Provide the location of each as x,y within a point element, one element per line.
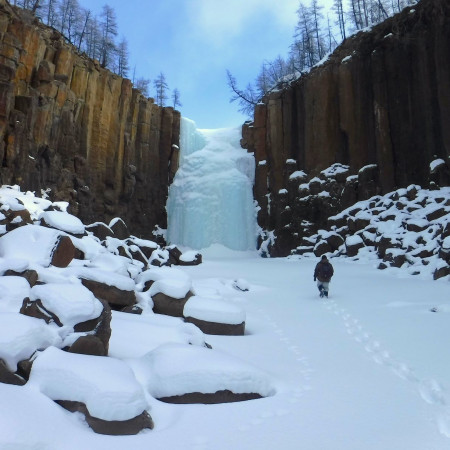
<point>366,369</point>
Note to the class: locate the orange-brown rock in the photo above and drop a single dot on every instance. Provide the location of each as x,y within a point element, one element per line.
<point>80,130</point>
<point>114,296</point>
<point>63,253</point>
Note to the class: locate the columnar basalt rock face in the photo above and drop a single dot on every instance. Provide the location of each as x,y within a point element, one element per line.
<point>80,130</point>
<point>383,97</point>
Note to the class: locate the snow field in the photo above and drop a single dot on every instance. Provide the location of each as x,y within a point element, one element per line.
<point>364,369</point>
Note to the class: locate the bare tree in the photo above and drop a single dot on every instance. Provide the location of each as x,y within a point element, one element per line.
<point>35,6</point>
<point>176,99</point>
<point>92,39</point>
<point>143,85</point>
<point>108,35</point>
<point>74,20</point>
<point>308,33</point>
<point>263,82</point>
<point>338,7</point>
<point>122,58</point>
<point>161,88</point>
<point>85,17</point>
<point>317,18</point>
<point>247,98</point>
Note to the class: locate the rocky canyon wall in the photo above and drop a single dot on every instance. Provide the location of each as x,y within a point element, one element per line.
<point>381,101</point>
<point>70,126</point>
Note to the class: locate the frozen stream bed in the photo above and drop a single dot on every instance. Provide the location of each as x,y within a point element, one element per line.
<point>366,369</point>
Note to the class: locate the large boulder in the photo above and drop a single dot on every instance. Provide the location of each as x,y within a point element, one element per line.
<point>116,297</point>
<point>63,253</point>
<point>41,245</point>
<point>110,427</point>
<point>199,375</point>
<point>89,345</point>
<point>100,230</point>
<point>170,306</point>
<point>215,316</point>
<point>8,377</point>
<point>353,244</point>
<point>119,228</point>
<point>72,305</point>
<point>21,336</point>
<point>118,406</point>
<point>63,221</point>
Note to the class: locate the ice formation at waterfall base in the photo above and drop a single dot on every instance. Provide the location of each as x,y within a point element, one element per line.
<point>211,199</point>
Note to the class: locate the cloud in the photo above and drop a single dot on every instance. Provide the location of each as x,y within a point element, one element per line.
<point>220,21</point>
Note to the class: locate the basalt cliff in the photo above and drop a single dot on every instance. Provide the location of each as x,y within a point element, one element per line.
<point>79,131</point>
<point>377,112</point>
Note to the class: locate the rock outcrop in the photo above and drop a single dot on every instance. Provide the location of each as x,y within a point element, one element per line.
<point>79,131</point>
<point>382,99</point>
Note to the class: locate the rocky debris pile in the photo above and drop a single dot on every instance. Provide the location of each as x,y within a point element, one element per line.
<point>72,294</point>
<point>408,228</point>
<point>304,206</point>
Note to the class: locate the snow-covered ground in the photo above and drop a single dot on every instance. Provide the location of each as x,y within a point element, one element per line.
<point>367,368</point>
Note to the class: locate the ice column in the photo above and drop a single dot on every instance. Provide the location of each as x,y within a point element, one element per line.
<point>211,198</point>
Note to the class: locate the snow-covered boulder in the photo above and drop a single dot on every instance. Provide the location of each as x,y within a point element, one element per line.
<point>395,256</point>
<point>134,336</point>
<point>21,336</point>
<point>145,246</point>
<point>12,219</point>
<point>168,304</point>
<point>190,258</point>
<point>62,221</point>
<point>322,247</point>
<point>169,288</point>
<point>36,244</point>
<point>100,230</point>
<point>30,275</point>
<point>215,316</point>
<point>115,289</point>
<point>146,279</point>
<point>119,228</point>
<point>13,291</point>
<point>353,244</point>
<point>179,373</point>
<point>334,240</point>
<point>69,304</point>
<point>76,310</point>
<point>104,389</point>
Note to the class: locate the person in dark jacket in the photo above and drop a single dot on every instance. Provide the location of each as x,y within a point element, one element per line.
<point>323,273</point>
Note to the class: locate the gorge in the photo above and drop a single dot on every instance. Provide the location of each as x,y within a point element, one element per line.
<point>379,106</point>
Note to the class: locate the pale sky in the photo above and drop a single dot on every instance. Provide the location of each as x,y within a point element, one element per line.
<point>194,42</point>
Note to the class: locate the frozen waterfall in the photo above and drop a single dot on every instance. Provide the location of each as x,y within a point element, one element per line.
<point>211,198</point>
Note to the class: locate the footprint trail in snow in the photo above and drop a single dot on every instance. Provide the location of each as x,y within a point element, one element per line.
<point>430,390</point>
